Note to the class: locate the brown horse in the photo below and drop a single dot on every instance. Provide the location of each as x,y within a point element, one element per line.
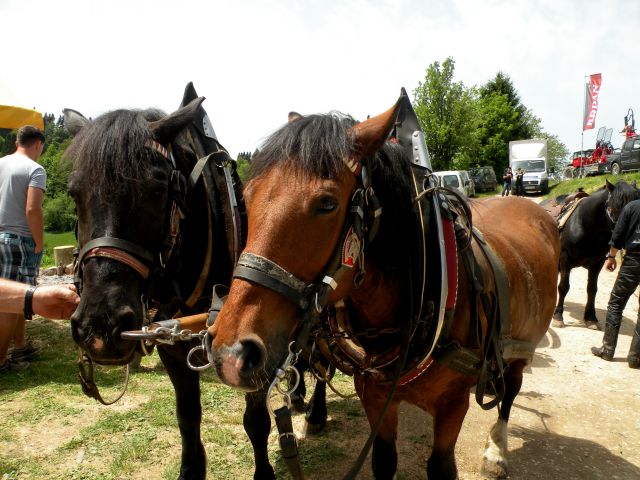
<point>298,199</point>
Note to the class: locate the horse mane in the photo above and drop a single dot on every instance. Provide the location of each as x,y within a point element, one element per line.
<point>622,194</point>
<point>315,145</point>
<point>103,152</point>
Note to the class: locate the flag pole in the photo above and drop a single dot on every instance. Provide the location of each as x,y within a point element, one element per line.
<point>584,112</point>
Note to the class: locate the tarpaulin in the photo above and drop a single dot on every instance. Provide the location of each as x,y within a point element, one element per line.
<point>16,117</point>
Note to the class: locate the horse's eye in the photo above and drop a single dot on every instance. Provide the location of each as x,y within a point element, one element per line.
<point>326,205</point>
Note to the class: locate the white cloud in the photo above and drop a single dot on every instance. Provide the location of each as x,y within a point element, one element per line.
<point>256,60</point>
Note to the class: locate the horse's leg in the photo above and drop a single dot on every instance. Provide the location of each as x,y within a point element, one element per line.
<point>495,455</point>
<point>563,289</point>
<point>316,417</point>
<point>447,422</point>
<point>298,395</point>
<point>590,318</point>
<point>186,383</point>
<point>257,424</point>
<point>384,457</point>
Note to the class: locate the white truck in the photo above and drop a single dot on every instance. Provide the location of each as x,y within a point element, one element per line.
<point>530,156</point>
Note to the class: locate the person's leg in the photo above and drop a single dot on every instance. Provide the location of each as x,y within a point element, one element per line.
<point>18,332</point>
<point>625,285</point>
<point>7,328</point>
<point>27,273</point>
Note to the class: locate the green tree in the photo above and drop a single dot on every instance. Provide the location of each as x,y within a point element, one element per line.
<point>496,119</point>
<point>446,113</point>
<point>557,152</point>
<point>243,164</point>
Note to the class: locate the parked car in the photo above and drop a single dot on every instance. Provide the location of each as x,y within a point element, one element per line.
<point>458,179</point>
<point>484,179</point>
<point>628,158</point>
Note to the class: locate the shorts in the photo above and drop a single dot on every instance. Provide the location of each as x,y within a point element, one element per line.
<point>18,260</point>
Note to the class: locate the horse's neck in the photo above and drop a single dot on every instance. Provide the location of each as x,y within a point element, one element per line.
<point>595,211</point>
<point>377,300</point>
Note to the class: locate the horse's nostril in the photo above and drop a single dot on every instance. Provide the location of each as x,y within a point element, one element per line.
<point>125,319</point>
<point>253,354</point>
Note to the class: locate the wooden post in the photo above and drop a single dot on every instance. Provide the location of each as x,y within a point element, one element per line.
<point>63,256</point>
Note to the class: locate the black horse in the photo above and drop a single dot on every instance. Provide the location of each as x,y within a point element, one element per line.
<point>157,229</point>
<point>584,242</point>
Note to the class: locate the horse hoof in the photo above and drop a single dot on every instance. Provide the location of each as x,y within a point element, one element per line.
<point>312,428</point>
<point>494,470</point>
<point>557,323</point>
<point>591,324</point>
<point>297,405</point>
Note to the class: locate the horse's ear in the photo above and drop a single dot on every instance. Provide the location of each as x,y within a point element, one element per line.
<point>610,186</point>
<point>74,121</point>
<point>189,94</point>
<point>166,129</point>
<point>293,116</point>
<point>371,134</point>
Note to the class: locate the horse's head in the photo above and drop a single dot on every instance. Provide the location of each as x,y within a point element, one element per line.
<point>298,200</point>
<point>619,195</point>
<point>128,194</point>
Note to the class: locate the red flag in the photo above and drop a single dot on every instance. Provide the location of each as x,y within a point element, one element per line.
<point>591,101</point>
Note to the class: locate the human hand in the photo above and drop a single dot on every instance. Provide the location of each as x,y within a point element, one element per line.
<point>610,264</point>
<point>55,301</point>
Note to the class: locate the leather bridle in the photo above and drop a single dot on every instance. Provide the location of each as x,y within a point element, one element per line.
<point>359,229</point>
<point>142,260</point>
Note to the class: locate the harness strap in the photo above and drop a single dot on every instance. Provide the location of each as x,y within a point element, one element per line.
<point>264,272</point>
<point>288,441</point>
<point>118,243</point>
<point>119,256</point>
<point>196,172</point>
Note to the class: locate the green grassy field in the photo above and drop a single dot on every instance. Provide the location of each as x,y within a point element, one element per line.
<point>50,430</point>
<point>52,240</point>
<point>590,184</point>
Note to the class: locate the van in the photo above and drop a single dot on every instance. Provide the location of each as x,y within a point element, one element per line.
<point>484,179</point>
<point>457,179</point>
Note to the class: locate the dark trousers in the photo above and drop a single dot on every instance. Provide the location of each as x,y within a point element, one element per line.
<point>506,188</point>
<point>626,283</point>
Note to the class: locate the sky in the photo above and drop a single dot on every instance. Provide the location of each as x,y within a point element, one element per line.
<point>256,60</point>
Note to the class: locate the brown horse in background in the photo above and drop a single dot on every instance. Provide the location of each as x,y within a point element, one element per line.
<point>298,200</point>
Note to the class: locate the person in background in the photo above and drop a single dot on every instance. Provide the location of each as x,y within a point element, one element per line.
<point>506,181</point>
<point>626,234</point>
<point>520,182</point>
<point>22,187</point>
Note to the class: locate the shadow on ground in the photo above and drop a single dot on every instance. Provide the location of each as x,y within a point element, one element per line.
<point>548,455</point>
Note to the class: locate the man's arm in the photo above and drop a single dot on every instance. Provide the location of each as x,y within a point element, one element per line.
<point>35,216</point>
<point>617,240</point>
<point>51,301</point>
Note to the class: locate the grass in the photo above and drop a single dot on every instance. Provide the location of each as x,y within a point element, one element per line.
<point>590,184</point>
<point>51,430</point>
<point>52,240</point>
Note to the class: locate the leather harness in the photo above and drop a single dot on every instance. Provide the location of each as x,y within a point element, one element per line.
<point>150,265</point>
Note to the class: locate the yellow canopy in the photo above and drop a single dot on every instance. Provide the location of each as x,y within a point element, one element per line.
<point>16,117</point>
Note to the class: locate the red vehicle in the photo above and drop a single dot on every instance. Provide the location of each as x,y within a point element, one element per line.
<point>590,162</point>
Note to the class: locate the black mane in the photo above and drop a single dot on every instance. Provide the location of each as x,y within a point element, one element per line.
<point>622,194</point>
<point>316,145</point>
<point>109,154</point>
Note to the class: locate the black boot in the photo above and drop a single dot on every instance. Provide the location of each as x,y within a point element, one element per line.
<point>609,341</point>
<point>634,351</point>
